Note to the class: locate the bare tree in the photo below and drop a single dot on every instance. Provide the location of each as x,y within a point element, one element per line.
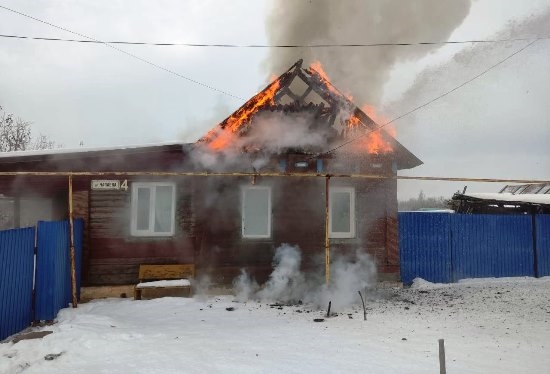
<point>15,135</point>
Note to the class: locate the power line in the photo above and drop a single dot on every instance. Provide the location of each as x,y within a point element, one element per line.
<point>217,45</point>
<point>124,52</point>
<point>432,100</point>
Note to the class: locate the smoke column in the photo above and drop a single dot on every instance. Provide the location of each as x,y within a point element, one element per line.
<point>288,284</point>
<point>361,70</point>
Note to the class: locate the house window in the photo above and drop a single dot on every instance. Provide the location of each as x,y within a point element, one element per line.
<point>342,212</point>
<point>153,209</point>
<point>256,212</point>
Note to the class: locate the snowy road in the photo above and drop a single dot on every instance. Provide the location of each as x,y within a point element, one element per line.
<point>489,326</point>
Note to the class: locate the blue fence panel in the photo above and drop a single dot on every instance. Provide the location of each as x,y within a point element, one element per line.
<point>53,275</point>
<point>543,244</point>
<point>491,246</point>
<point>16,273</point>
<point>424,244</point>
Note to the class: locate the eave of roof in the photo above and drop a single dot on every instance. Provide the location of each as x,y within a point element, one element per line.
<point>79,153</point>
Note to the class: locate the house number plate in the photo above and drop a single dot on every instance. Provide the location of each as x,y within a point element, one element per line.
<point>109,185</point>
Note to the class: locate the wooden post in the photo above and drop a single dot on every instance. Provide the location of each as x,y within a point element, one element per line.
<point>71,243</point>
<point>327,240</point>
<point>442,368</point>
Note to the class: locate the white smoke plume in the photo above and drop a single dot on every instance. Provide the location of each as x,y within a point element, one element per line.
<point>347,277</point>
<point>244,286</point>
<point>288,284</point>
<point>268,132</point>
<point>201,286</point>
<point>361,70</point>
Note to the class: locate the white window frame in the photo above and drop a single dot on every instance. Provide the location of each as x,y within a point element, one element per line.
<point>269,213</point>
<point>152,186</point>
<point>340,234</point>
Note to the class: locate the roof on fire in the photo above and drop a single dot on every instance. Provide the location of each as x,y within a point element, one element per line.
<point>288,94</point>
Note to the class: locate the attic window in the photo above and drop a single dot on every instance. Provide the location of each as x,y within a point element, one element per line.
<point>153,209</point>
<point>342,212</point>
<point>256,212</point>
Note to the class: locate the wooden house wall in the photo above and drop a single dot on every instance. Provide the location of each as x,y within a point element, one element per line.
<point>298,218</point>
<point>208,225</point>
<point>115,255</point>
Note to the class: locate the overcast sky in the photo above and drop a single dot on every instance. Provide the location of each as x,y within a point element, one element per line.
<point>494,127</point>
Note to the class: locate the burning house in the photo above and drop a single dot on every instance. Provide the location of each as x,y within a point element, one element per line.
<point>298,163</point>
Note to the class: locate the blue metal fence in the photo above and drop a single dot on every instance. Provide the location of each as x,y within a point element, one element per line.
<point>442,247</point>
<point>543,244</point>
<point>16,273</point>
<point>424,243</point>
<point>53,274</point>
<point>52,284</point>
<point>491,246</point>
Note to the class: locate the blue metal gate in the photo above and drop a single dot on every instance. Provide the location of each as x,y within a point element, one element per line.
<point>52,284</point>
<point>16,273</point>
<point>53,267</point>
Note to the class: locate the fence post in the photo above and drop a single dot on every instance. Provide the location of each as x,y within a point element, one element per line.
<point>442,368</point>
<point>534,233</point>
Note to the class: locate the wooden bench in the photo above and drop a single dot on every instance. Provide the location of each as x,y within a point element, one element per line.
<point>164,276</point>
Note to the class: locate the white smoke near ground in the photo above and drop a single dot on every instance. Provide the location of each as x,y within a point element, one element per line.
<point>244,286</point>
<point>201,285</point>
<point>288,284</point>
<point>348,276</point>
<point>362,71</point>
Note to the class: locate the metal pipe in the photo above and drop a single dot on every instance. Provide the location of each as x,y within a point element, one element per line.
<point>260,174</point>
<point>71,243</point>
<point>186,174</point>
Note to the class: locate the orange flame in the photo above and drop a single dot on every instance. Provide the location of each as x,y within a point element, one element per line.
<point>221,138</point>
<point>373,141</point>
<point>317,68</point>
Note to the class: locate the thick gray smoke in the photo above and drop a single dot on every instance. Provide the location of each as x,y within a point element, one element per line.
<point>362,71</point>
<point>288,284</point>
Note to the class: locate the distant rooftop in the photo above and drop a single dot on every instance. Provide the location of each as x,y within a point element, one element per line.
<point>523,189</point>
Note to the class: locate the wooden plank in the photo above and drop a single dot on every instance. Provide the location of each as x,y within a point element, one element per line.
<point>164,272</point>
<point>159,272</point>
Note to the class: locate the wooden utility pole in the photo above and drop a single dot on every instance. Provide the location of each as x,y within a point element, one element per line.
<point>71,244</point>
<point>327,240</point>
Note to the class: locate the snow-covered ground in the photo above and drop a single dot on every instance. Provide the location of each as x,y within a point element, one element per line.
<point>489,326</point>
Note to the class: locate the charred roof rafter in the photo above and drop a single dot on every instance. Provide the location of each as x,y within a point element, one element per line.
<point>336,101</point>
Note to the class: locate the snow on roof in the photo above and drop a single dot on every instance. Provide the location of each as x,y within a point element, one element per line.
<point>522,198</point>
<point>58,151</point>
